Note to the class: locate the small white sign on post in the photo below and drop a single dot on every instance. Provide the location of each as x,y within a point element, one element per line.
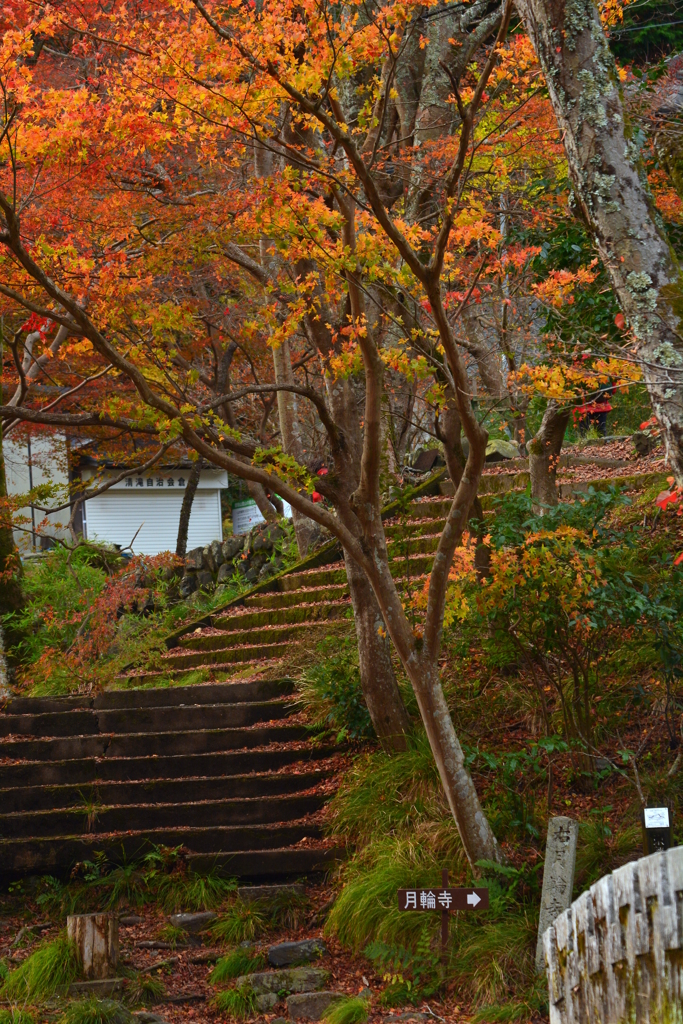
<point>656,817</point>
<point>245,515</point>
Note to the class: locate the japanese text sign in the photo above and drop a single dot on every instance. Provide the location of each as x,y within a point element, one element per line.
<point>443,899</point>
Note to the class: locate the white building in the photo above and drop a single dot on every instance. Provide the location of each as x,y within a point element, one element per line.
<point>29,463</point>
<point>147,507</point>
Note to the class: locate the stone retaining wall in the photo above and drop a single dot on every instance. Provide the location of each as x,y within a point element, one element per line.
<point>616,955</point>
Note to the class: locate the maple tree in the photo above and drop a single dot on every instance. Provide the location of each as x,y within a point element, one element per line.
<point>217,214</point>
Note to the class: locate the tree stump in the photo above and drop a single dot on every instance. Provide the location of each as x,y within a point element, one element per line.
<point>615,955</point>
<point>96,937</point>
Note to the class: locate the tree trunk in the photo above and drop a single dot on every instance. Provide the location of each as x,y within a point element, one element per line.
<point>378,680</point>
<point>258,493</point>
<point>603,157</point>
<point>186,508</point>
<point>544,456</point>
<point>96,937</point>
<point>475,831</point>
<point>305,529</point>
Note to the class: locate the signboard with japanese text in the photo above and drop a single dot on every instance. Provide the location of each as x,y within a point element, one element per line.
<point>444,899</point>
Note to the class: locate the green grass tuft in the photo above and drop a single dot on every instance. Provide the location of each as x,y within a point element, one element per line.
<point>237,1002</point>
<point>237,962</point>
<point>354,1010</point>
<point>144,989</point>
<point>366,908</point>
<point>53,965</point>
<point>174,936</point>
<point>240,923</point>
<point>16,1016</point>
<point>96,1011</point>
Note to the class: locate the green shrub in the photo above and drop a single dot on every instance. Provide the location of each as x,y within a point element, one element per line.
<point>96,1011</point>
<point>52,966</point>
<point>353,1010</point>
<point>330,690</point>
<point>237,962</point>
<point>237,1002</point>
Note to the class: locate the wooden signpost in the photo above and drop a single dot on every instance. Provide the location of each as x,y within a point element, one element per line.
<point>444,899</point>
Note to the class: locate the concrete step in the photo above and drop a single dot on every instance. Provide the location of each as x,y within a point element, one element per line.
<point>156,791</point>
<point>201,741</point>
<point>57,856</point>
<point>233,656</point>
<point>286,613</point>
<point>90,771</point>
<point>302,597</point>
<point>261,810</point>
<point>270,864</point>
<point>176,696</point>
<point>154,719</point>
<point>307,598</point>
<point>395,532</point>
<point>413,545</point>
<point>325,577</point>
<point>265,635</point>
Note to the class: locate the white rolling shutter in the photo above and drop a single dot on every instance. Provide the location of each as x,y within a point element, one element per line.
<point>115,516</point>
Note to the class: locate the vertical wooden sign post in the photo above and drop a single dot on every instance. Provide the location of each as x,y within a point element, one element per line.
<point>444,921</point>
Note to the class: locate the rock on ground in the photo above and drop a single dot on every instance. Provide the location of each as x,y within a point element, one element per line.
<point>193,923</point>
<point>297,979</point>
<point>287,953</point>
<point>252,893</point>
<point>311,1005</point>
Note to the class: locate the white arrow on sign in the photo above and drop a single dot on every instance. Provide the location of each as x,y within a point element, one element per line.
<point>473,899</point>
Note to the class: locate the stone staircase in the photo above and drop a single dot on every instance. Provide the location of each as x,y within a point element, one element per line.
<point>273,629</point>
<point>224,770</point>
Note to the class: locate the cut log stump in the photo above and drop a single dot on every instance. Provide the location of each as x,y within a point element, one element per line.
<point>96,937</point>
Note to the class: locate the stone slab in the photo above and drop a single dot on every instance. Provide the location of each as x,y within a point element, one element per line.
<point>311,1005</point>
<point>267,1001</point>
<point>254,893</point>
<point>193,923</point>
<point>296,979</point>
<point>97,987</point>
<point>287,953</point>
<point>558,877</point>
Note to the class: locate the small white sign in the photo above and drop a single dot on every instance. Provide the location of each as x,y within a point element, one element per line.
<point>245,514</point>
<point>656,817</point>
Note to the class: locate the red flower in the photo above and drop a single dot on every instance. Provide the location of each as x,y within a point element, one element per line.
<point>316,497</point>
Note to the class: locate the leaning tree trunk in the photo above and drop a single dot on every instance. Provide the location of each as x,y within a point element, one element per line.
<point>603,157</point>
<point>378,680</point>
<point>186,508</point>
<point>544,456</point>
